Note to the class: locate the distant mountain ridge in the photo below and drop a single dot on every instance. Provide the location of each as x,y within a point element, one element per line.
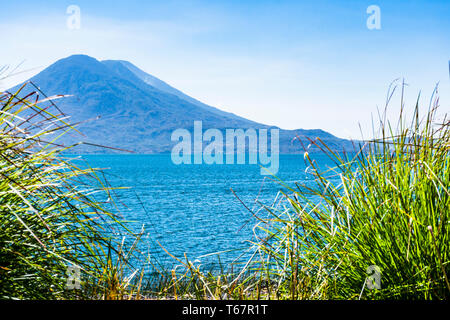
<point>124,107</point>
<point>161,85</point>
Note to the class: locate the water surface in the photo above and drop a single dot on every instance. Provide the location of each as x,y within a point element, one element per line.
<point>191,208</point>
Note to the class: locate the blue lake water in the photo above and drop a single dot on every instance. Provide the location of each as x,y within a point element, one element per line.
<point>191,208</point>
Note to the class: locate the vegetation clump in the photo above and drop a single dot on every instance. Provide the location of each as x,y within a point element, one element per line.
<point>375,226</point>
<point>52,228</point>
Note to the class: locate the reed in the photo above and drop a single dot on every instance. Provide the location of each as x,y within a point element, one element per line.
<point>49,216</point>
<point>375,226</point>
<point>382,213</point>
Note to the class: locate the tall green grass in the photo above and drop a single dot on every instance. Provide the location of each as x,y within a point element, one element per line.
<point>382,211</point>
<point>385,209</point>
<point>49,216</point>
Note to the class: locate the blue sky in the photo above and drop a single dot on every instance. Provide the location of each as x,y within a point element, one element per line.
<point>294,64</point>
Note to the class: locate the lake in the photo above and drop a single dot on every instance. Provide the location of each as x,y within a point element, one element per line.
<point>191,208</point>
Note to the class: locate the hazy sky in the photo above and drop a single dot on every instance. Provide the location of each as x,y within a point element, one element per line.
<point>294,64</point>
